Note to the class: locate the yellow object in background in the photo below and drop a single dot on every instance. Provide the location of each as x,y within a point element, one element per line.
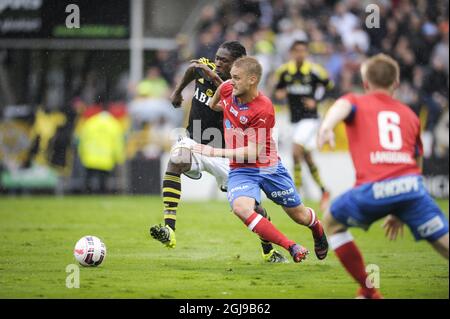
<point>45,126</point>
<point>101,142</point>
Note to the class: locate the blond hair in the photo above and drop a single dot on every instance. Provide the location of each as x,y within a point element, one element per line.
<point>381,71</point>
<point>250,65</point>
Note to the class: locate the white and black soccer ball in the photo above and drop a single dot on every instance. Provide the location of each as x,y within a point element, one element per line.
<point>90,251</point>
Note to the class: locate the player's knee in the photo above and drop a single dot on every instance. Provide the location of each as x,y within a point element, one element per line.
<point>178,168</point>
<point>326,220</point>
<point>297,153</point>
<point>242,211</point>
<point>261,210</point>
<point>331,225</point>
<point>299,214</point>
<point>308,158</point>
<point>180,160</point>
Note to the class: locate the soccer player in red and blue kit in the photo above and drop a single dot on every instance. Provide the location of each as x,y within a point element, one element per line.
<point>249,118</point>
<point>385,145</point>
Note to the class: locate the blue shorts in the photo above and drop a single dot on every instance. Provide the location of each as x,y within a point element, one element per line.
<point>274,181</point>
<point>404,197</point>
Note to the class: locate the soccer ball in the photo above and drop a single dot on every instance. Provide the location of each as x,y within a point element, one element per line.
<point>90,251</point>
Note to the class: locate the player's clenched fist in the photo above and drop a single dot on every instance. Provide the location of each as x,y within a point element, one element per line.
<point>176,98</point>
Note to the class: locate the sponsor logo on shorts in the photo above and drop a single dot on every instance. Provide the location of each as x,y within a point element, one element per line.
<point>395,187</point>
<point>282,193</point>
<point>239,188</point>
<point>430,227</point>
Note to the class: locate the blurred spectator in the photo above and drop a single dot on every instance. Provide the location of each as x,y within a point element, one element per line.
<point>441,50</point>
<point>287,35</point>
<point>344,21</point>
<point>207,16</point>
<point>435,91</point>
<point>151,101</point>
<point>101,148</point>
<point>442,137</point>
<point>154,85</point>
<point>167,63</point>
<point>406,59</point>
<point>357,40</point>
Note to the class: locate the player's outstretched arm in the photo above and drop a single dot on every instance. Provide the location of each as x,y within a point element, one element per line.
<point>251,151</point>
<point>338,112</point>
<point>176,98</point>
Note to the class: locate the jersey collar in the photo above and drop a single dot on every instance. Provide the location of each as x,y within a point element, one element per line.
<point>241,107</point>
<point>304,69</point>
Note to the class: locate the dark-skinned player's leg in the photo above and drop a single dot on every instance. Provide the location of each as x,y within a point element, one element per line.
<point>325,199</point>
<point>171,190</point>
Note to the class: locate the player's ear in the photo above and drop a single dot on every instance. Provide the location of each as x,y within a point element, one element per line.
<point>396,85</point>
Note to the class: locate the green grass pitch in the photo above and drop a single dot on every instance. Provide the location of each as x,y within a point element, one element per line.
<point>216,256</point>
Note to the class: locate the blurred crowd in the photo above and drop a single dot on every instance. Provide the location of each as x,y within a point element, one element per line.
<point>341,34</point>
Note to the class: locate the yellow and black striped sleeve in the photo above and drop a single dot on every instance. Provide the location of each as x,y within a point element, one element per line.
<point>280,82</point>
<point>322,76</point>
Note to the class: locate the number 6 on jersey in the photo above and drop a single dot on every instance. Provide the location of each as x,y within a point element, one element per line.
<point>389,130</point>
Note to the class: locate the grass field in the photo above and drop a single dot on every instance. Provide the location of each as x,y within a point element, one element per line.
<point>215,257</point>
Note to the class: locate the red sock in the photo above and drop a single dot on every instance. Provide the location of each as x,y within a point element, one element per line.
<point>352,260</point>
<point>315,225</point>
<point>267,230</point>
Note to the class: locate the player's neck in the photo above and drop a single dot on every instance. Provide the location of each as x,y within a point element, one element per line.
<point>248,97</point>
<point>375,90</point>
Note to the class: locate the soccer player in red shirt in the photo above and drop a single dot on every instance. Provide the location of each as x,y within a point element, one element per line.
<point>385,146</point>
<point>249,118</point>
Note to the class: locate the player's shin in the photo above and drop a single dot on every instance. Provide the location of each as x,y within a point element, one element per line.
<point>320,239</point>
<point>265,229</point>
<point>171,197</point>
<point>351,258</point>
<point>266,245</point>
<point>298,175</point>
<point>314,224</point>
<point>314,172</point>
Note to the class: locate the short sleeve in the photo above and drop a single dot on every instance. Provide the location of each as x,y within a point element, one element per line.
<point>199,73</point>
<point>322,76</point>
<point>279,78</point>
<point>353,101</point>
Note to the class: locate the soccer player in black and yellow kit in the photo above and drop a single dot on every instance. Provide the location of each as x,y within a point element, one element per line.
<point>205,127</point>
<point>303,83</point>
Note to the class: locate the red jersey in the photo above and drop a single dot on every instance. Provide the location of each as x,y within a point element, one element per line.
<point>384,137</point>
<point>252,122</point>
